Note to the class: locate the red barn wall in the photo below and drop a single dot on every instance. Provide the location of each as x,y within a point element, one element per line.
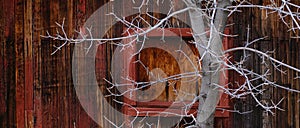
<point>36,88</point>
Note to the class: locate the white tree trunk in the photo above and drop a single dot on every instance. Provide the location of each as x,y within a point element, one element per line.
<point>211,52</point>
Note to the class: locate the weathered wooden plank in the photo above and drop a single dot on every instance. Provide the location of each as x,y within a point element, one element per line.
<point>91,7</point>
<point>9,61</point>
<point>45,66</point>
<point>74,109</point>
<point>3,87</point>
<point>62,67</point>
<point>50,96</point>
<point>37,61</point>
<point>28,54</point>
<point>291,61</point>
<point>20,72</point>
<point>267,119</point>
<point>297,97</point>
<point>83,120</point>
<point>68,55</point>
<point>240,28</point>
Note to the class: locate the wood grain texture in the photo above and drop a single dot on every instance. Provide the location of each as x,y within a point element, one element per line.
<point>36,88</point>
<point>20,60</point>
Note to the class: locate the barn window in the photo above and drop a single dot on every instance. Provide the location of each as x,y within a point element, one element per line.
<point>154,63</point>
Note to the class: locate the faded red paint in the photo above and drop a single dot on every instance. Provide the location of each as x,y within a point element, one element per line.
<point>9,15</point>
<point>28,85</point>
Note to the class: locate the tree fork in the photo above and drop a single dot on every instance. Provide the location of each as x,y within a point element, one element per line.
<point>209,93</point>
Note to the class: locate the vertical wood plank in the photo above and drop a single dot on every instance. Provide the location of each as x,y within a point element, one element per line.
<point>3,87</point>
<point>20,73</point>
<point>37,28</point>
<point>62,68</point>
<point>82,120</point>
<point>266,97</point>
<point>28,55</point>
<point>28,64</point>
<point>297,97</point>
<point>74,105</point>
<point>9,55</point>
<point>50,108</point>
<point>68,55</point>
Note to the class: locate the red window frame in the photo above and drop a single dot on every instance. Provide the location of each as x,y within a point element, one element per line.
<point>156,107</point>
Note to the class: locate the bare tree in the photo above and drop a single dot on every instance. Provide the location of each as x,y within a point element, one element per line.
<point>208,20</point>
